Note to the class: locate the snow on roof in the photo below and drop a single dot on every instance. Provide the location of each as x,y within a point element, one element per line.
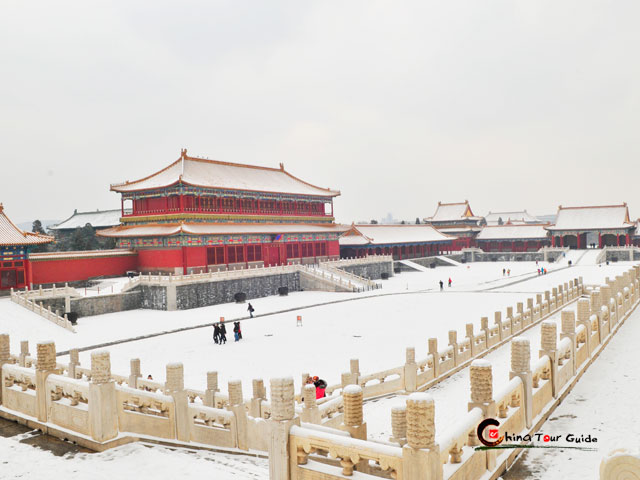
<point>512,232</point>
<point>12,235</point>
<point>514,217</point>
<point>217,174</point>
<point>97,219</point>
<point>389,234</point>
<point>452,211</point>
<point>166,229</point>
<point>592,218</point>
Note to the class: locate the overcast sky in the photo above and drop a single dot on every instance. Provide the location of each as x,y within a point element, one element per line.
<point>509,104</point>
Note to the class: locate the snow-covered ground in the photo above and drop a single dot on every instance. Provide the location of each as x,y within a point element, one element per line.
<point>374,327</point>
<point>603,404</point>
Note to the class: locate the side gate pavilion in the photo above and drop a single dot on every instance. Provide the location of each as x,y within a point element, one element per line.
<point>457,220</point>
<point>401,241</point>
<point>15,245</point>
<point>513,238</point>
<point>199,215</point>
<point>582,227</point>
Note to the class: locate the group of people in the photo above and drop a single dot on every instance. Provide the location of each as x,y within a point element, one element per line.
<point>442,283</point>
<point>219,333</point>
<point>542,271</point>
<point>320,385</point>
<point>506,271</point>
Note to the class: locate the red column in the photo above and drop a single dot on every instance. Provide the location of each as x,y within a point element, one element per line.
<point>181,203</point>
<point>184,254</point>
<point>628,239</point>
<point>599,240</point>
<point>121,207</point>
<point>578,240</point>
<point>618,240</point>
<point>562,241</point>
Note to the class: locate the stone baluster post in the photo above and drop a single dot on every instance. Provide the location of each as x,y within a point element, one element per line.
<point>304,377</point>
<point>520,308</point>
<point>310,411</point>
<point>259,394</point>
<point>399,425</point>
<point>584,313</point>
<point>236,405</point>
<point>433,351</point>
<point>74,362</point>
<point>174,387</point>
<point>280,423</point>
<point>521,367</point>
<point>549,346</point>
<point>103,411</point>
<point>554,297</point>
<point>24,352</point>
<point>5,356</point>
<point>498,321</point>
<point>410,370</point>
<point>481,376</point>
<point>212,389</point>
<point>539,299</point>
<point>605,294</point>
<point>421,454</point>
<point>472,339</point>
<point>45,366</point>
<point>453,343</point>
<point>568,319</point>
<point>134,372</point>
<point>484,328</point>
<point>353,421</point>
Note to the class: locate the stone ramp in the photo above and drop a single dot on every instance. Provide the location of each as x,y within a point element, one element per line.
<point>448,260</point>
<point>413,265</point>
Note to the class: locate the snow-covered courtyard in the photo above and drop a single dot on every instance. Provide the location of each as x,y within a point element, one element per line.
<point>374,327</point>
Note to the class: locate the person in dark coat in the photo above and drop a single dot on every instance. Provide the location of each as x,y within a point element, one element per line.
<point>239,331</point>
<point>223,333</point>
<point>441,285</point>
<point>251,310</point>
<point>236,329</point>
<point>216,333</point>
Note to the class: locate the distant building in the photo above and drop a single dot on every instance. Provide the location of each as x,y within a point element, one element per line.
<point>197,215</point>
<point>512,218</point>
<point>401,241</point>
<point>513,238</point>
<point>458,220</point>
<point>581,227</point>
<point>99,220</point>
<point>15,246</point>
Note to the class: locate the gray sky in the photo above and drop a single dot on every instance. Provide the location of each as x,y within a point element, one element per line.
<point>508,104</point>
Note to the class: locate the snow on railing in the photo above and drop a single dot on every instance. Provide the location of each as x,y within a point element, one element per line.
<point>45,313</point>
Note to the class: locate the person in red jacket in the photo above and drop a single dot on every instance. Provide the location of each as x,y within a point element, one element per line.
<point>321,386</point>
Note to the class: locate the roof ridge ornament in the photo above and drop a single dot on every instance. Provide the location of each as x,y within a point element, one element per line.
<point>282,166</point>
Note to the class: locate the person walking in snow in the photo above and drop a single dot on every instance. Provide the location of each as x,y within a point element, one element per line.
<point>441,285</point>
<point>236,330</point>
<point>449,281</point>
<point>239,331</point>
<point>504,270</point>
<point>223,333</point>
<point>321,386</point>
<point>216,333</point>
<point>251,310</point>
<point>508,272</point>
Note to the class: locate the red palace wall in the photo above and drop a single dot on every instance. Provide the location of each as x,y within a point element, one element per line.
<point>74,269</point>
<point>154,259</point>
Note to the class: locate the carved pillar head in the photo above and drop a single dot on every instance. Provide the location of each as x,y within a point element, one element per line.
<point>568,321</point>
<point>484,323</point>
<point>538,299</point>
<point>421,428</point>
<point>282,399</point>
<point>520,355</point>
<point>410,355</point>
<point>530,303</point>
<point>453,337</point>
<point>24,347</point>
<point>605,292</point>
<point>352,395</point>
<point>235,392</point>
<point>433,346</point>
<point>549,336</point>
<point>399,421</point>
<point>46,356</point>
<point>175,377</point>
<point>134,365</point>
<point>212,381</point>
<point>509,312</point>
<point>519,307</point>
<point>258,388</point>
<point>100,367</point>
<point>5,348</point>
<point>497,317</point>
<point>354,366</point>
<point>481,376</point>
<point>596,300</point>
<point>309,394</point>
<point>74,356</point>
<point>469,330</point>
<point>584,310</point>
